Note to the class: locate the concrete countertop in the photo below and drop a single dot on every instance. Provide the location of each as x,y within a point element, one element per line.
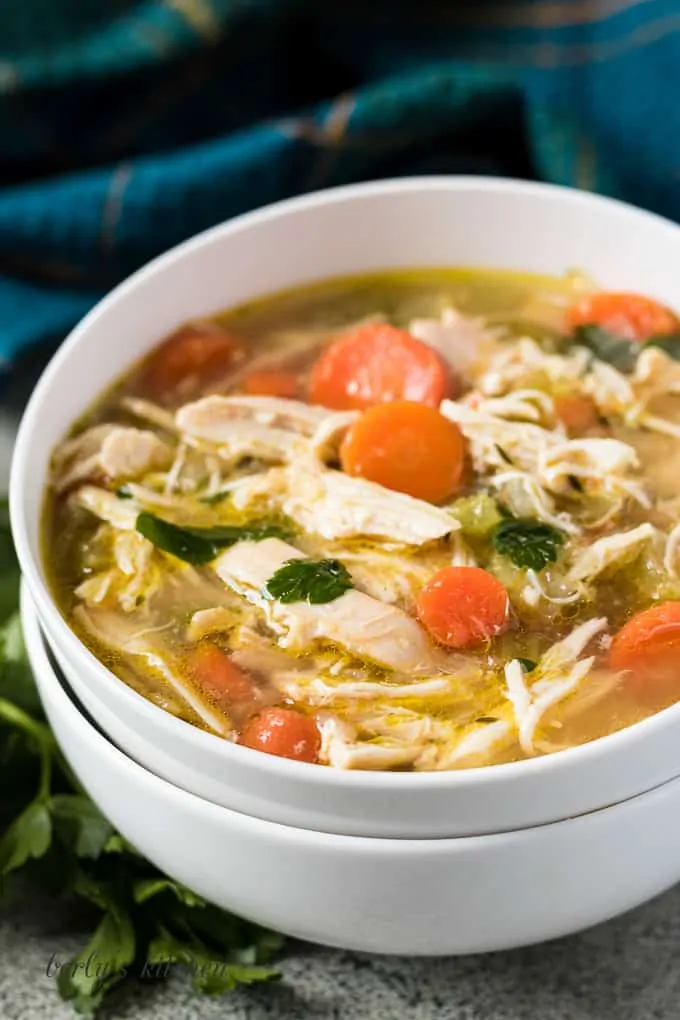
<point>628,969</point>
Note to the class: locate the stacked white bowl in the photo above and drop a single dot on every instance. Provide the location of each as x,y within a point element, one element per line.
<point>433,863</point>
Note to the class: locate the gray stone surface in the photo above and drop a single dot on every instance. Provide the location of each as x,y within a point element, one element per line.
<point>625,970</point>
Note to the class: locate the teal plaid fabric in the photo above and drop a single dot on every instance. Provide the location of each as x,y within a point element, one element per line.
<point>127,126</point>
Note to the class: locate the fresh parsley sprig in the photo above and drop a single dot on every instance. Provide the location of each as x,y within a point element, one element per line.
<point>527,543</point>
<point>56,837</point>
<point>313,581</point>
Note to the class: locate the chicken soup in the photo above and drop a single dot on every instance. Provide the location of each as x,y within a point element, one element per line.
<point>418,520</point>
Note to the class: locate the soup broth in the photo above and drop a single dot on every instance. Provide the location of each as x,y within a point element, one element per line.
<point>411,520</point>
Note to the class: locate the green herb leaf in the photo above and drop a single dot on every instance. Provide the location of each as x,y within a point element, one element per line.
<point>670,345</point>
<point>29,835</point>
<point>606,346</point>
<point>212,974</point>
<point>56,838</point>
<point>123,492</point>
<point>314,581</point>
<point>201,545</point>
<point>528,665</point>
<point>527,543</point>
<point>81,824</point>
<point>85,980</point>
<point>147,888</point>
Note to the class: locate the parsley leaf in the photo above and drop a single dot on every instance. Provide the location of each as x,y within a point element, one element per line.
<point>201,545</point>
<point>606,346</point>
<point>56,837</point>
<point>670,345</point>
<point>528,543</point>
<point>528,665</point>
<point>314,581</point>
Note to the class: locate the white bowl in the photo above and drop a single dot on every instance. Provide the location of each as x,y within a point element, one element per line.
<point>421,222</point>
<point>417,897</point>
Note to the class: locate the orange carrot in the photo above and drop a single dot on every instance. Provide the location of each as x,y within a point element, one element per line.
<point>463,606</point>
<point>408,447</point>
<point>194,356</point>
<point>283,732</point>
<point>649,646</point>
<point>272,384</point>
<point>627,315</point>
<point>216,675</point>
<point>375,364</point>
<point>577,412</point>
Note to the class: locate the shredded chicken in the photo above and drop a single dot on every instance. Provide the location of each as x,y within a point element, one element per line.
<point>613,552</point>
<point>341,749</point>
<point>122,637</point>
<point>557,674</point>
<point>463,341</point>
<point>108,452</point>
<point>355,621</point>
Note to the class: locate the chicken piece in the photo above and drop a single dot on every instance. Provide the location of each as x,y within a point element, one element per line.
<point>213,418</point>
<point>335,506</point>
<point>325,442</point>
<point>602,466</point>
<point>354,621</point>
<point>524,497</point>
<point>107,506</point>
<point>470,750</point>
<point>525,363</point>
<point>111,452</point>
<point>121,636</point>
<point>495,442</point>
<point>462,341</point>
<point>149,412</point>
<point>205,622</point>
<point>338,506</point>
<point>390,576</point>
<point>611,553</point>
<point>558,673</point>
<point>341,749</point>
<point>520,405</point>
<point>402,724</point>
<point>629,396</point>
<point>316,691</point>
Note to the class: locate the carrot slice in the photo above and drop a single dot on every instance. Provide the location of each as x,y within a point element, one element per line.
<point>283,732</point>
<point>194,356</point>
<point>375,364</point>
<point>463,606</point>
<point>215,673</point>
<point>408,447</point>
<point>649,646</point>
<point>632,316</point>
<point>577,412</point>
<point>272,384</point>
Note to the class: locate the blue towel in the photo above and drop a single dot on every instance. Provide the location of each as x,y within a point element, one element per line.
<point>127,126</point>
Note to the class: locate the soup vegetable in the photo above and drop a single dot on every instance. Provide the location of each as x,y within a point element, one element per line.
<point>421,520</point>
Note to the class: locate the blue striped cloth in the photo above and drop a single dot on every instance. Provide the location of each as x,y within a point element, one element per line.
<point>128,125</point>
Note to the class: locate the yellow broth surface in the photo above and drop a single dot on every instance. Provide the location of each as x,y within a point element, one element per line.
<point>571,433</point>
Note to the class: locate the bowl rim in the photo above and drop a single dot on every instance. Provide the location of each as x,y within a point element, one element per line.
<point>62,634</point>
<point>395,846</point>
